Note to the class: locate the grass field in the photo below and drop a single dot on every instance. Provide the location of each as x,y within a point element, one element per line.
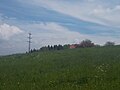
<point>77,69</point>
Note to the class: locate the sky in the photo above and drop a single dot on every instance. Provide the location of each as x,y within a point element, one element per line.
<point>57,22</point>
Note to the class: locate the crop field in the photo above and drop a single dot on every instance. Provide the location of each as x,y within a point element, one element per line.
<point>95,68</point>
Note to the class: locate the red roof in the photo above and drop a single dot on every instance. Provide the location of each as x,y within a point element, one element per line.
<point>72,46</point>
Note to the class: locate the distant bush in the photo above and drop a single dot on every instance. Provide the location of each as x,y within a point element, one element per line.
<point>97,45</point>
<point>109,43</point>
<point>67,46</point>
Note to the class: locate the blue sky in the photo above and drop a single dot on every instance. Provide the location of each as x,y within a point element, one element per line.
<point>57,22</point>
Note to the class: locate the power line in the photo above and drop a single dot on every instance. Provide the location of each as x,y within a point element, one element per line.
<point>29,41</point>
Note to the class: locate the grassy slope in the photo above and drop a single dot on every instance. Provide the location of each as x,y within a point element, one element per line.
<point>77,69</point>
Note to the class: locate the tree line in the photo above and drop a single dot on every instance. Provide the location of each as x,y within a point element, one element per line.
<point>83,44</point>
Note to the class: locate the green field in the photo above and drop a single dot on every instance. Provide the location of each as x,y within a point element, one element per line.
<point>76,69</point>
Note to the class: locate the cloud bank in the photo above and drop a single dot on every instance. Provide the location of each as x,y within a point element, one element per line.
<point>95,11</point>
<point>7,31</point>
<point>51,33</point>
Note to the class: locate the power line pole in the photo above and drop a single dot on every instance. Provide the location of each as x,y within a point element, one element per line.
<point>29,42</point>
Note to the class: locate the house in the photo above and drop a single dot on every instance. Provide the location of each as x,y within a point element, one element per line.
<point>72,46</point>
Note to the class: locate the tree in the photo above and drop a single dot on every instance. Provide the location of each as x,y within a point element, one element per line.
<point>59,47</point>
<point>44,48</point>
<point>49,48</point>
<point>86,43</point>
<point>109,43</point>
<point>55,47</point>
<point>66,46</point>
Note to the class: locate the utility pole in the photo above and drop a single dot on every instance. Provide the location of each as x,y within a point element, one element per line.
<point>29,42</point>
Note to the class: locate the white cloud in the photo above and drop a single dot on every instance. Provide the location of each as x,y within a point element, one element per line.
<point>7,31</point>
<point>89,10</point>
<point>108,15</point>
<point>54,33</point>
<point>52,27</point>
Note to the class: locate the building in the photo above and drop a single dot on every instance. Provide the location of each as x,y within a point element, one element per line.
<point>73,46</point>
